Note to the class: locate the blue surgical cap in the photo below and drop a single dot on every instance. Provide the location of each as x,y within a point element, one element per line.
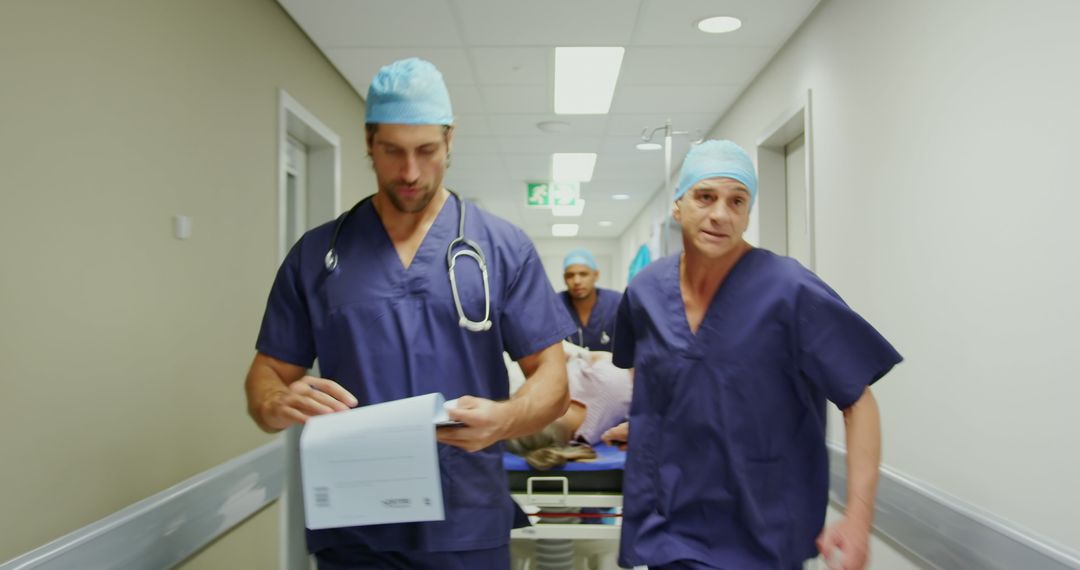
<point>579,257</point>
<point>717,159</point>
<point>411,92</point>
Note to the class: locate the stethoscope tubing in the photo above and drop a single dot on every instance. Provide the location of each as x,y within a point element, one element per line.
<point>469,248</point>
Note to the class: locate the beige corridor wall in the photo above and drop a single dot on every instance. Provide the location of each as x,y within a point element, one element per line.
<point>945,144</point>
<point>124,349</point>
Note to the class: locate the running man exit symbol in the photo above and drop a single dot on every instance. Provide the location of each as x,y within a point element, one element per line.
<point>537,195</point>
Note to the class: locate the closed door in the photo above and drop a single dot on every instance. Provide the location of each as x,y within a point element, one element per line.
<point>798,212</point>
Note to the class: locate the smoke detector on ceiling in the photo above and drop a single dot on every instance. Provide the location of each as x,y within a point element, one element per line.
<point>553,126</point>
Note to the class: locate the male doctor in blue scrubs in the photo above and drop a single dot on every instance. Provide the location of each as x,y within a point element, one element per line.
<point>380,316</point>
<point>735,351</point>
<point>592,308</point>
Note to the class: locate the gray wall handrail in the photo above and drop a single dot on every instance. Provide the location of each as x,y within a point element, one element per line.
<point>165,529</point>
<point>943,531</point>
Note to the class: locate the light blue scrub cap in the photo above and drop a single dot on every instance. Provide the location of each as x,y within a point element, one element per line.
<point>410,92</point>
<point>717,159</point>
<point>579,257</point>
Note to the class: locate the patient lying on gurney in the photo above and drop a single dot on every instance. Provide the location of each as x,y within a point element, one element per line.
<point>600,403</point>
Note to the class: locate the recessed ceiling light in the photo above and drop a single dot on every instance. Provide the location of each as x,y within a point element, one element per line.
<point>585,79</point>
<point>564,230</point>
<point>553,126</point>
<point>649,146</point>
<point>572,166</point>
<point>605,224</point>
<point>620,196</point>
<point>719,24</point>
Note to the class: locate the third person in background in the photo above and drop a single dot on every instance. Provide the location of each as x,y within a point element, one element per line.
<point>592,308</point>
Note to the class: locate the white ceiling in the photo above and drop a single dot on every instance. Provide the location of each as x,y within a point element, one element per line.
<point>497,57</point>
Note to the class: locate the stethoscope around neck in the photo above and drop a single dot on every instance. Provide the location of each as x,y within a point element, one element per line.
<point>468,248</point>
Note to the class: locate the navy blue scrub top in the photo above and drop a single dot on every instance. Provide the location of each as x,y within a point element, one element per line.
<point>727,465</point>
<point>385,333</point>
<point>601,329</point>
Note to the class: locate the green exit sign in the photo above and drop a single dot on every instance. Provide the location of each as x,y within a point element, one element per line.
<point>548,194</point>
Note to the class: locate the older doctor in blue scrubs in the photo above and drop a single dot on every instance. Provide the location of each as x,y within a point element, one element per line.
<point>369,295</point>
<point>736,351</point>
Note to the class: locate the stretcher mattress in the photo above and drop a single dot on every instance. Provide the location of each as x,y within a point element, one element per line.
<point>601,475</point>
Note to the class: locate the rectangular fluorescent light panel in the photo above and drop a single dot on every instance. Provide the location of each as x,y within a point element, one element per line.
<point>564,230</point>
<point>585,79</point>
<point>575,210</point>
<point>572,166</point>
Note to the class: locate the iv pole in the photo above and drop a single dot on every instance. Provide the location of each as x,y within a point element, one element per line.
<point>667,159</point>
<point>647,144</point>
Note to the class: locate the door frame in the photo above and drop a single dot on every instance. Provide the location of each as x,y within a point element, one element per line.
<point>323,190</point>
<point>323,164</point>
<point>772,176</point>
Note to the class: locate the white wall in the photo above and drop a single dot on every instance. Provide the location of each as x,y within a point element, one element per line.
<point>945,135</point>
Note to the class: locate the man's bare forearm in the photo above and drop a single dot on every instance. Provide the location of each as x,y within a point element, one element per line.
<point>543,397</point>
<point>862,423</point>
<point>264,383</point>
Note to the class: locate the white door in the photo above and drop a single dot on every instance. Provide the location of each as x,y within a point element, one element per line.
<point>296,222</point>
<point>798,212</point>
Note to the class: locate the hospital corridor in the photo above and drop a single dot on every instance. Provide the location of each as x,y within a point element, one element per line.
<point>539,285</point>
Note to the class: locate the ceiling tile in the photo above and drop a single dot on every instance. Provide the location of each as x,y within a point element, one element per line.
<point>599,201</point>
<point>508,199</point>
<point>476,165</point>
<point>478,144</point>
<point>624,144</point>
<point>766,23</point>
<point>359,65</point>
<point>497,58</point>
<point>547,144</point>
<point>374,23</point>
<point>623,124</point>
<point>548,23</point>
<point>528,167</point>
<point>503,210</point>
<point>470,125</point>
<point>466,99</point>
<point>623,148</point>
<point>649,98</point>
<point>692,65</point>
<point>514,66</point>
<point>603,189</point>
<point>483,189</point>
<point>622,167</point>
<point>517,98</point>
<point>520,124</point>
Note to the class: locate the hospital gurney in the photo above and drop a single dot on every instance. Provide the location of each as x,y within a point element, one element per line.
<point>557,494</point>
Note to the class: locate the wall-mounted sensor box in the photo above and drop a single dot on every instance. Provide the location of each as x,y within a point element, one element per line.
<point>181,227</point>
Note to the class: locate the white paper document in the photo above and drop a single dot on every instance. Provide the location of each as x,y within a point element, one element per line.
<point>375,464</point>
